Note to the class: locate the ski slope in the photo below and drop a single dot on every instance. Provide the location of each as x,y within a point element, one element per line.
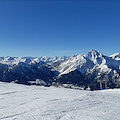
<point>20,102</point>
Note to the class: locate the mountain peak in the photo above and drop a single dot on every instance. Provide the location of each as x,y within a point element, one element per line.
<point>92,54</point>
<point>93,51</point>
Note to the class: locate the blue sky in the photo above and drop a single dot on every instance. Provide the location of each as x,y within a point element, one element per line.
<point>58,28</point>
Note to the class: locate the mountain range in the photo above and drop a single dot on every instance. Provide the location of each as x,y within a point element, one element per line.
<point>92,70</point>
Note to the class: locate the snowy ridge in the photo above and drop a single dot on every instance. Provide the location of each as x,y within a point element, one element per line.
<point>87,62</point>
<point>116,56</point>
<point>11,61</point>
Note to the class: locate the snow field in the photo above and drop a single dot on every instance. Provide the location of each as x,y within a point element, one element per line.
<point>20,102</point>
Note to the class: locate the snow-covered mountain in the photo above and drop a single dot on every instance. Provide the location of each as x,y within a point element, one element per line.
<point>88,62</point>
<point>92,69</point>
<point>93,66</point>
<point>25,69</point>
<point>116,56</point>
<point>12,61</point>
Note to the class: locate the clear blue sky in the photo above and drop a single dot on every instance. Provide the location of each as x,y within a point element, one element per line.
<point>57,28</point>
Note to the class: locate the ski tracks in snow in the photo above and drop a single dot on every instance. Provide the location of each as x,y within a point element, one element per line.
<point>20,102</point>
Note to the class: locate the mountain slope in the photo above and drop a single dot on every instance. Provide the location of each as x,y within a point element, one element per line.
<point>20,102</point>
<point>116,56</point>
<point>94,66</point>
<point>87,62</point>
<point>92,69</point>
<point>25,70</point>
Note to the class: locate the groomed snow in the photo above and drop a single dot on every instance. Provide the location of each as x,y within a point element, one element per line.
<point>20,102</point>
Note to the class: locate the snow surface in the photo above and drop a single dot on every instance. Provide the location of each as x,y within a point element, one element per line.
<point>20,102</point>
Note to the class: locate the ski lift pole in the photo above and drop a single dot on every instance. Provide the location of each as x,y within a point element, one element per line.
<point>106,85</point>
<point>100,84</point>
